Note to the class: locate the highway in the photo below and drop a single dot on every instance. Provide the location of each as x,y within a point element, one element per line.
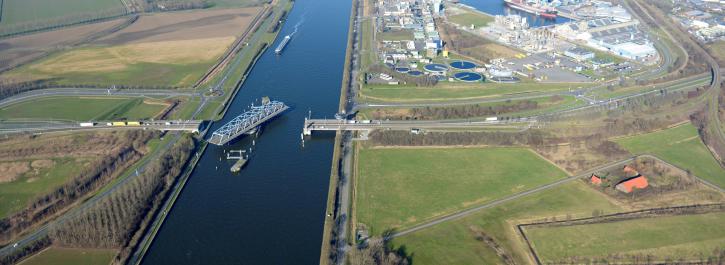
<point>12,127</point>
<point>311,125</point>
<point>368,125</point>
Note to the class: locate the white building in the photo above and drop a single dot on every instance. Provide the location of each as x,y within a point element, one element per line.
<point>579,54</point>
<point>633,50</point>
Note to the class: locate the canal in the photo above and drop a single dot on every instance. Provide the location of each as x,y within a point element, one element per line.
<point>272,212</point>
<point>497,7</point>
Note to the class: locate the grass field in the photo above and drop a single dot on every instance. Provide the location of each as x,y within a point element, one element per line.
<point>52,11</point>
<point>544,104</point>
<point>685,236</point>
<point>17,194</point>
<point>83,109</point>
<point>396,35</point>
<point>445,91</point>
<point>71,256</point>
<point>680,146</point>
<point>164,63</point>
<point>718,49</point>
<point>471,18</point>
<point>454,243</point>
<point>400,187</point>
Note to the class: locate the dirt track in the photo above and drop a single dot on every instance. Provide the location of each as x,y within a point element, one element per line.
<point>198,24</point>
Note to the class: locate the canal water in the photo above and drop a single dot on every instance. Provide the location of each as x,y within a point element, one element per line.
<point>497,7</point>
<point>272,212</point>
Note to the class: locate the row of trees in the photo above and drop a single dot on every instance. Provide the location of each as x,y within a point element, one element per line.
<point>377,252</point>
<point>460,112</point>
<point>96,174</point>
<point>9,87</point>
<point>170,5</point>
<point>715,257</point>
<point>528,137</point>
<point>114,221</point>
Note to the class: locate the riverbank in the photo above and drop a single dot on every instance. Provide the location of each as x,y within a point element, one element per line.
<point>260,46</point>
<point>137,258</point>
<point>331,212</point>
<point>138,255</point>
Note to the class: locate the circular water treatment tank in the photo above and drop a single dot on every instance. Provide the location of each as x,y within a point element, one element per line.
<point>415,73</point>
<point>468,76</point>
<point>463,65</point>
<point>436,67</point>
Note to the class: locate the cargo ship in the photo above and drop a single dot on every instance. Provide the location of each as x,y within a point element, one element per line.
<point>520,5</point>
<point>282,44</point>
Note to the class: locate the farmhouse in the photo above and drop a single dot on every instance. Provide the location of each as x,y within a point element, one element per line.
<point>596,180</point>
<point>627,185</point>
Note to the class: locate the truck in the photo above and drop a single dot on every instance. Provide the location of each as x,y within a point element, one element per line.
<point>365,121</point>
<point>88,124</point>
<point>492,119</point>
<point>133,123</point>
<point>118,123</point>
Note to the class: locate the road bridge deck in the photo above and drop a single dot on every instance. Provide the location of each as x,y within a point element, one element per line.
<point>247,121</point>
<point>368,125</point>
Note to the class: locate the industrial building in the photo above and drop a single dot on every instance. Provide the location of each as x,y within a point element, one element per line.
<point>579,54</point>
<point>619,36</point>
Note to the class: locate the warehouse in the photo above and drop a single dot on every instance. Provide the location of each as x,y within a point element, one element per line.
<point>579,54</point>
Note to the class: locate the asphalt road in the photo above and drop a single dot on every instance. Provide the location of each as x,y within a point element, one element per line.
<point>33,94</point>
<point>345,173</point>
<point>11,127</point>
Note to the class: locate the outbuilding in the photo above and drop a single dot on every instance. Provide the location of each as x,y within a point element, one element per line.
<point>628,185</point>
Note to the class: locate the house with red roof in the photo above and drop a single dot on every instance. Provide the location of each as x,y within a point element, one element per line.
<point>628,185</point>
<point>596,180</point>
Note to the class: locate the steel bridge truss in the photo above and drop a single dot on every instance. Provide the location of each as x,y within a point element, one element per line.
<point>247,121</point>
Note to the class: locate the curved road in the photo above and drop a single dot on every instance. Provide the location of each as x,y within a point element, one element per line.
<point>51,92</point>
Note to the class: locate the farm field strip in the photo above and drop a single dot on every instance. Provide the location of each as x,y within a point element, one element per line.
<point>71,256</point>
<point>83,109</point>
<point>52,12</point>
<point>684,236</point>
